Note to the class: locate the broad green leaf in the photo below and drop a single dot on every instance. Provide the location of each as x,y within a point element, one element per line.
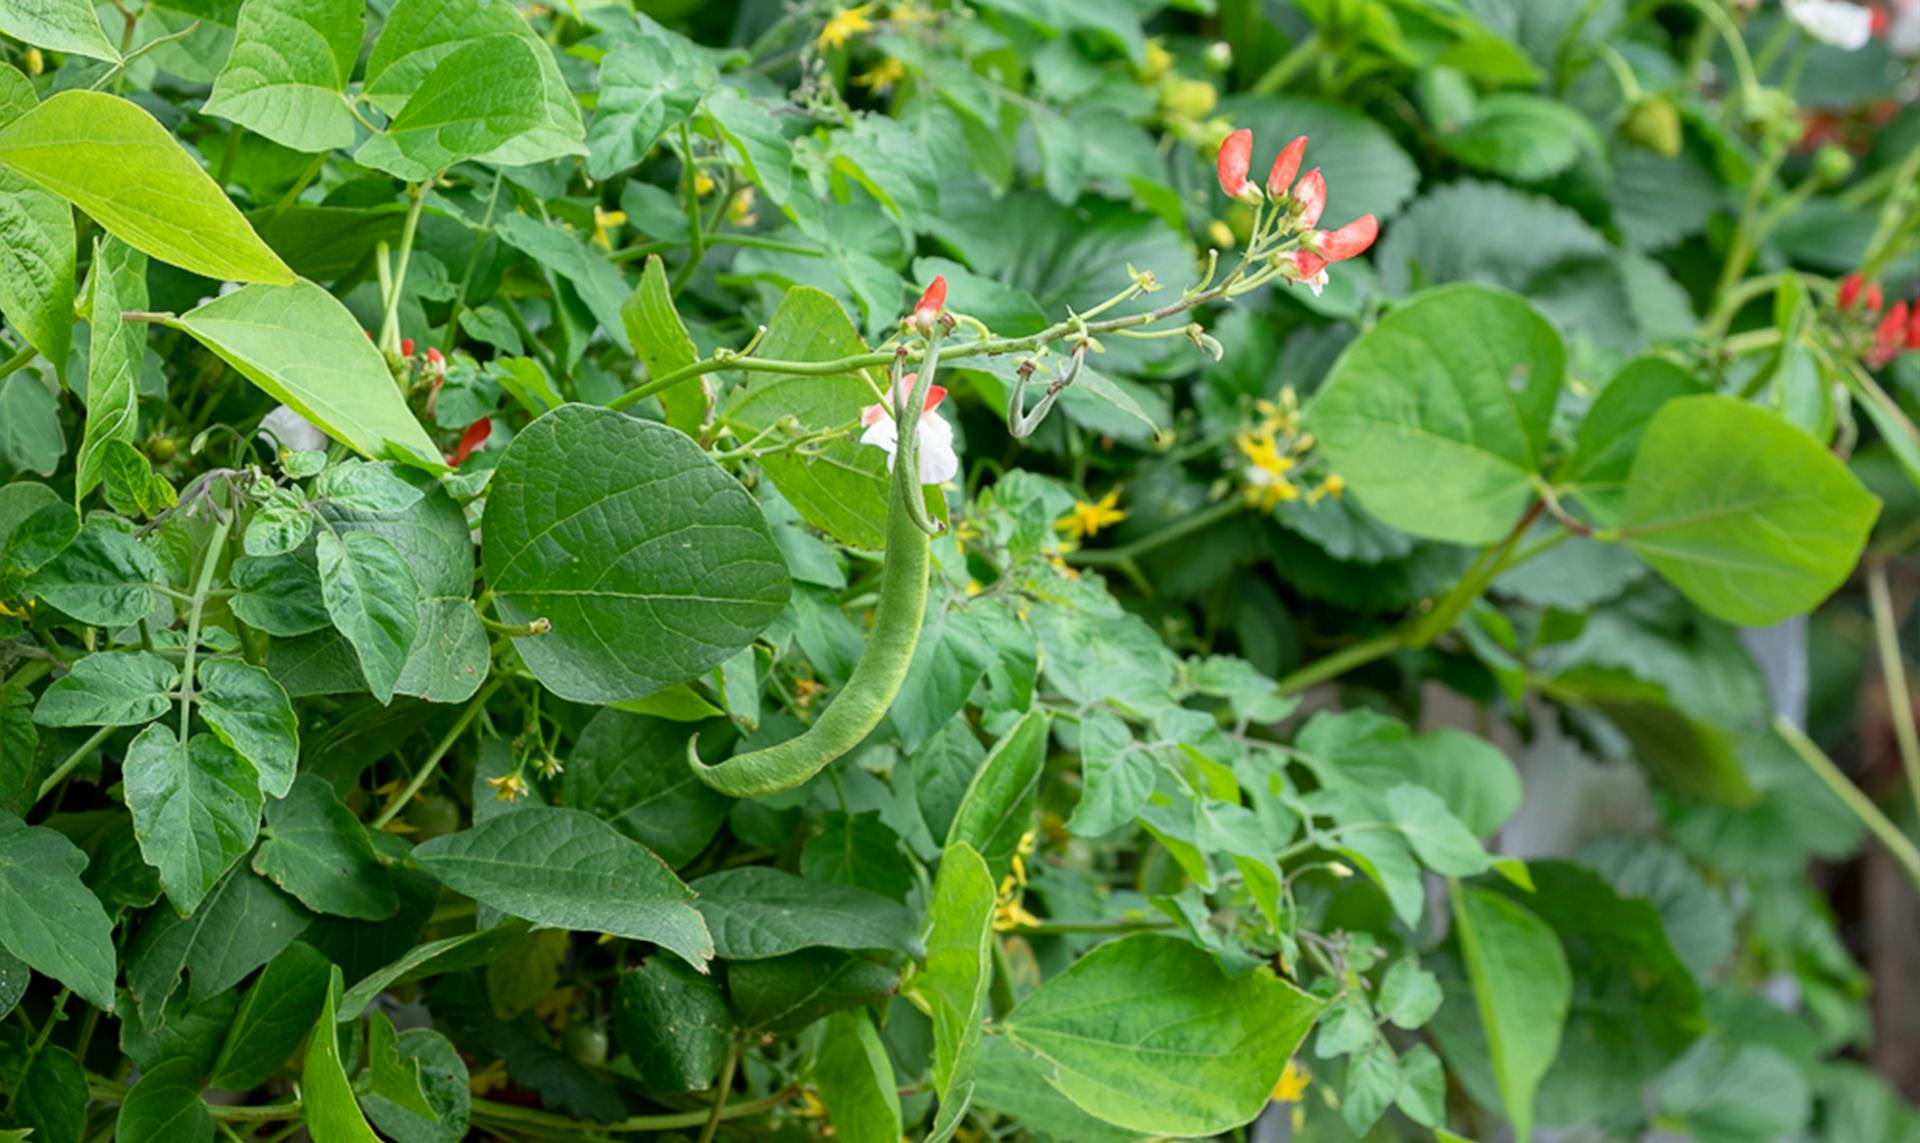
<point>599,282</point>
<point>448,954</point>
<point>35,526</point>
<point>37,241</point>
<point>249,712</point>
<point>1609,434</point>
<point>1011,1082</point>
<point>1481,232</point>
<point>386,1074</point>
<point>570,870</point>
<point>1523,137</point>
<point>479,97</point>
<point>333,1115</point>
<point>954,984</point>
<point>787,993</point>
<point>243,925</point>
<point>1726,1091</point>
<point>31,436</point>
<point>674,1024</point>
<point>757,911</point>
<point>419,34</point>
<point>117,349</point>
<point>649,84</point>
<point>317,850</point>
<point>616,773</point>
<point>1442,435</point>
<point>360,487</point>
<point>104,577</point>
<point>51,1098</point>
<point>196,809</point>
<point>859,850</point>
<point>1423,1087</point>
<point>302,346</point>
<point>651,563</point>
<point>1442,842</point>
<point>1148,1033</point>
<point>48,919</point>
<point>165,1107</point>
<point>117,163</point>
<point>62,25</point>
<point>856,1081</point>
<point>755,136</point>
<point>1001,801</point>
<point>109,688</point>
<point>1747,515</point>
<point>1373,1080</point>
<point>371,595</point>
<point>288,72</point>
<point>428,1061</point>
<point>279,1008</point>
<point>1522,987</point>
<point>660,340</point>
<point>842,490</point>
<point>1409,995</point>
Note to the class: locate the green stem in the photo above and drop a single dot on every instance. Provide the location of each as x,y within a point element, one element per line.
<point>452,330</point>
<point>299,186</point>
<point>722,1090</point>
<point>440,750</point>
<point>696,240</point>
<point>1286,67</point>
<point>54,1016</point>
<point>504,1113</point>
<point>1893,669</point>
<point>1113,925</point>
<point>1180,529</point>
<point>1893,214</point>
<point>73,760</point>
<point>201,587</point>
<point>1870,815</point>
<point>390,323</point>
<point>1340,662</point>
<point>1746,234</point>
<point>18,361</point>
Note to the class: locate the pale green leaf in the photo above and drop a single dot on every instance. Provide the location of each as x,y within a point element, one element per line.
<point>371,596</point>
<point>37,248</point>
<point>1522,987</point>
<point>333,1115</point>
<point>482,95</point>
<point>660,340</point>
<point>954,984</point>
<point>288,70</point>
<point>117,283</point>
<point>61,25</point>
<point>1000,803</point>
<point>856,1081</point>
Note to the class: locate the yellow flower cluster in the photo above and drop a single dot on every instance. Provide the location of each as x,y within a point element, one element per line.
<point>1271,451</point>
<point>1009,913</point>
<point>844,24</point>
<point>1087,519</point>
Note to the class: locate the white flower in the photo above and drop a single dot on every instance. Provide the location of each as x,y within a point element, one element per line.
<point>1834,22</point>
<point>934,436</point>
<point>292,432</point>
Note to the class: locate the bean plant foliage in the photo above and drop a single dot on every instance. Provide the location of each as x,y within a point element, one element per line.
<point>972,569</point>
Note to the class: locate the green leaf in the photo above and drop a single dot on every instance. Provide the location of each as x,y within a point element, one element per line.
<point>1609,435</point>
<point>1442,842</point>
<point>842,490</point>
<point>35,526</point>
<point>37,247</point>
<point>757,911</point>
<point>649,84</point>
<point>599,282</point>
<point>674,1023</point>
<point>755,136</point>
<point>1148,1033</point>
<point>1725,1091</point>
<point>109,688</point>
<point>661,341</point>
<point>1011,1082</point>
<point>279,1008</point>
<point>61,25</point>
<point>165,1107</point>
<point>47,917</point>
<point>570,870</point>
<point>51,1098</point>
<point>288,72</point>
<point>479,97</point>
<point>1748,516</point>
<point>1442,436</point>
<point>1423,1087</point>
<point>1483,232</point>
<point>317,850</point>
<point>856,1081</point>
<point>326,1098</point>
<point>651,563</point>
<point>1522,986</point>
<point>116,353</point>
<point>1373,1080</point>
<point>419,34</point>
<point>116,162</point>
<point>196,809</point>
<point>958,974</point>
<point>1523,137</point>
<point>370,489</point>
<point>787,993</point>
<point>615,774</point>
<point>249,712</point>
<point>31,436</point>
<point>1000,803</point>
<point>104,577</point>
<point>1409,995</point>
<point>442,1080</point>
<point>302,346</point>
<point>243,925</point>
<point>371,596</point>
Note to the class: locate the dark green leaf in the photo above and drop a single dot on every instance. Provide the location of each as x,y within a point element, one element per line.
<point>757,911</point>
<point>674,1023</point>
<point>317,850</point>
<point>124,688</point>
<point>47,917</point>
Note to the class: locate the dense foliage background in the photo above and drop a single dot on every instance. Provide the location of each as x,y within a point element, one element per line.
<point>466,670</point>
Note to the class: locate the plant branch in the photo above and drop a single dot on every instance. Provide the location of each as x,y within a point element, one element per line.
<point>1863,807</point>
<point>432,762</point>
<point>1893,669</point>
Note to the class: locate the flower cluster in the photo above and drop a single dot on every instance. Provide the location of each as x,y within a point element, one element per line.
<point>1290,236</point>
<point>1272,452</point>
<point>1894,331</point>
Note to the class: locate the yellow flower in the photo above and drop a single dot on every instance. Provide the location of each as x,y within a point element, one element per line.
<point>740,210</point>
<point>703,184</point>
<point>883,77</point>
<point>810,1105</point>
<point>844,24</point>
<point>1292,1083</point>
<point>1088,519</point>
<point>910,14</point>
<point>508,787</point>
<point>805,691</point>
<point>18,611</point>
<point>1266,471</point>
<point>1332,486</point>
<point>603,220</point>
<point>1011,914</point>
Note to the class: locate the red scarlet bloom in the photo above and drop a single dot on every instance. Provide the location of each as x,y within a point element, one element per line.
<point>1236,157</point>
<point>926,311</point>
<point>1850,288</point>
<point>1320,247</point>
<point>435,360</point>
<point>1286,166</point>
<point>406,347</point>
<point>1310,198</point>
<point>475,436</point>
<point>1889,337</point>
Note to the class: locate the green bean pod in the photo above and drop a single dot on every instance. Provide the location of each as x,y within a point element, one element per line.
<point>876,679</point>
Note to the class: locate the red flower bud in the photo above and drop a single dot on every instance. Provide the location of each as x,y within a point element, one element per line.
<point>1874,299</point>
<point>475,436</point>
<point>1286,167</point>
<point>1913,327</point>
<point>406,347</point>
<point>1348,241</point>
<point>1236,156</point>
<point>435,359</point>
<point>1850,288</point>
<point>1310,198</point>
<point>927,310</point>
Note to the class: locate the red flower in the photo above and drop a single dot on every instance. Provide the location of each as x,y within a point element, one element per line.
<point>1319,247</point>
<point>1310,198</point>
<point>1236,156</point>
<point>435,360</point>
<point>1850,288</point>
<point>1913,329</point>
<point>1286,166</point>
<point>1875,299</point>
<point>406,347</point>
<point>926,311</point>
<point>1889,337</point>
<point>475,436</point>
